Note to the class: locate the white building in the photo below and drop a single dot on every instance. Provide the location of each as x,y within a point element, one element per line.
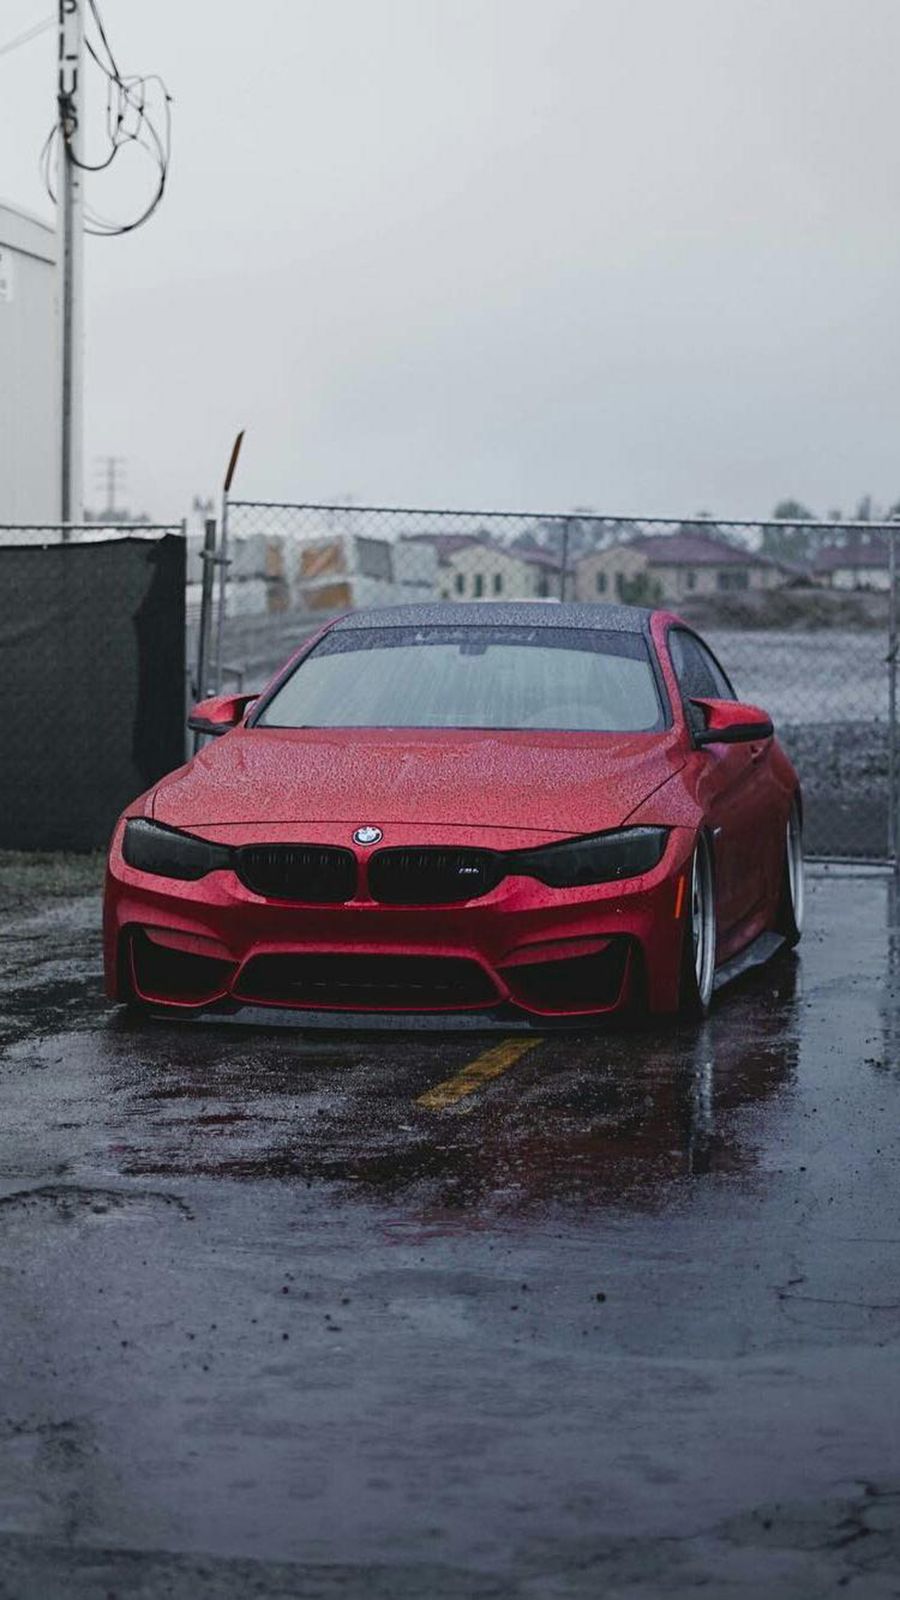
<point>336,570</point>
<point>347,570</point>
<point>29,383</point>
<point>863,562</point>
<point>477,567</point>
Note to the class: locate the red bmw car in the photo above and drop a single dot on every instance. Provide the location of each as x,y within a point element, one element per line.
<point>552,811</point>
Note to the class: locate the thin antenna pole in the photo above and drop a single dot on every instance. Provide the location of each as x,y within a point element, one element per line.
<point>223,557</point>
<point>70,84</point>
<point>111,476</point>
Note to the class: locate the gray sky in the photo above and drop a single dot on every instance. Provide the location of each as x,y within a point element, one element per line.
<point>642,255</point>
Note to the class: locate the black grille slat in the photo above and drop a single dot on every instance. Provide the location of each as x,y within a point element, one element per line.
<point>432,876</point>
<point>314,874</point>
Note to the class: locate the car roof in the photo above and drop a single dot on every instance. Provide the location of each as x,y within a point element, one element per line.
<point>501,613</point>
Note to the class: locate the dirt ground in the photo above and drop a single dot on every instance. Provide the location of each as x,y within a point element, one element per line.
<point>309,1311</point>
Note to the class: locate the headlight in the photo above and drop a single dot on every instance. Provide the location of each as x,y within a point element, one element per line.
<point>598,859</point>
<point>150,847</point>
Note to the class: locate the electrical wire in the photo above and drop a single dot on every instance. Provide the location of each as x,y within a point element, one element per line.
<point>129,121</point>
<point>27,36</point>
<point>95,12</point>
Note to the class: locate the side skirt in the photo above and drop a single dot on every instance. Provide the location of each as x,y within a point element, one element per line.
<point>763,948</point>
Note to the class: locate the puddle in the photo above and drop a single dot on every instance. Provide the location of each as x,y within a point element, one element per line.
<point>69,1203</point>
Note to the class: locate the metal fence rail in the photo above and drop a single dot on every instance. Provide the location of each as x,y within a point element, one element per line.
<point>813,641</point>
<point>31,534</point>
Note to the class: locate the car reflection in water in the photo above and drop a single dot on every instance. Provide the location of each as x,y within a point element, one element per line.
<point>623,1117</point>
<point>888,1054</point>
<point>584,1119</point>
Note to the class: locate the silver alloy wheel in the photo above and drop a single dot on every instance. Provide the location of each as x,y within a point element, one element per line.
<point>794,854</point>
<point>703,921</point>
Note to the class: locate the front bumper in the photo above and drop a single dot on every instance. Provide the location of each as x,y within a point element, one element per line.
<point>546,952</point>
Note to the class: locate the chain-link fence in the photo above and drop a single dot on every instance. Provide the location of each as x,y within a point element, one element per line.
<point>92,656</point>
<point>802,616</point>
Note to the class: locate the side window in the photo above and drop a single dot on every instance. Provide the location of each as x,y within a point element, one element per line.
<point>724,685</point>
<point>696,668</point>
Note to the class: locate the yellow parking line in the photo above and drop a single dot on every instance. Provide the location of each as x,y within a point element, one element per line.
<point>484,1067</point>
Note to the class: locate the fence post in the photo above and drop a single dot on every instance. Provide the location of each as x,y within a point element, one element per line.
<point>892,818</point>
<point>208,557</point>
<point>223,563</point>
<point>564,561</point>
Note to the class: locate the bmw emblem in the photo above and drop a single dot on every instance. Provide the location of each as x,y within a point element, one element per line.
<point>367,836</point>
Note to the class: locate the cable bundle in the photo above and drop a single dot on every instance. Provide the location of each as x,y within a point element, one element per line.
<point>129,121</point>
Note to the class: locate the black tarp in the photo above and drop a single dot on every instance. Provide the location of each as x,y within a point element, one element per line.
<point>92,666</point>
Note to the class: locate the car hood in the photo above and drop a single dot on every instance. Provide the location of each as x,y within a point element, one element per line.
<point>554,783</point>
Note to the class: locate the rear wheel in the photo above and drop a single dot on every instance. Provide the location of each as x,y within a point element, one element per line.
<point>698,960</point>
<point>789,921</point>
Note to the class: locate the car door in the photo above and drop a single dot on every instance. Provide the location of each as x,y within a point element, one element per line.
<point>733,789</point>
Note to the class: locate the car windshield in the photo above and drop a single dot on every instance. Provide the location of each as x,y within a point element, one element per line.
<point>471,677</point>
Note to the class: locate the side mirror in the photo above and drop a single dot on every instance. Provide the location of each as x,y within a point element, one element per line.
<point>219,714</point>
<point>729,722</point>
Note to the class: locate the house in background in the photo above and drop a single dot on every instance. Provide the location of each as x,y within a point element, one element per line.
<point>864,562</point>
<point>475,567</point>
<point>658,569</point>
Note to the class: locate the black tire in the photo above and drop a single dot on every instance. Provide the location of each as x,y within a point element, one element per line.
<point>789,919</point>
<point>698,949</point>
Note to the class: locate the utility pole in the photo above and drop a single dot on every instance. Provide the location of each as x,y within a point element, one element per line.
<point>70,211</point>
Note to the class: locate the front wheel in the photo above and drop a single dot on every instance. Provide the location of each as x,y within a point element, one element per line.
<point>698,961</point>
<point>789,921</point>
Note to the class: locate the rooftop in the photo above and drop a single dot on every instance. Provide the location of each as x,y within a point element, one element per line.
<point>21,230</point>
<point>446,544</point>
<point>696,549</point>
<point>865,550</point>
<point>449,544</point>
<point>501,613</point>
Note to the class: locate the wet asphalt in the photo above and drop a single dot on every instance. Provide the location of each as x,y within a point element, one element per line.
<point>620,1320</point>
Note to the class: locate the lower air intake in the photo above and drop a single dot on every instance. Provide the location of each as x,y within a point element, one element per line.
<point>366,983</point>
<point>180,976</point>
<point>580,984</point>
